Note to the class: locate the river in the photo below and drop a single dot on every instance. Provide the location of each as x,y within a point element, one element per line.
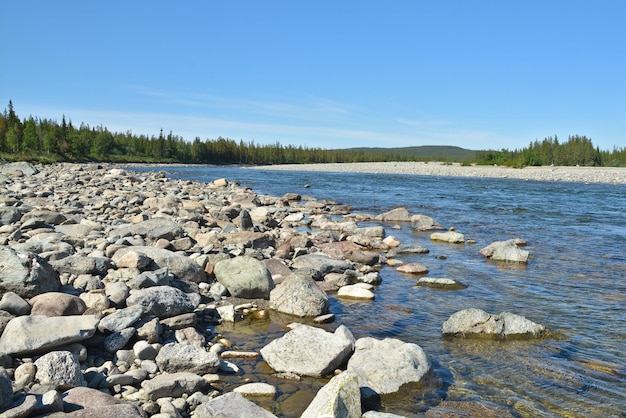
<point>574,285</point>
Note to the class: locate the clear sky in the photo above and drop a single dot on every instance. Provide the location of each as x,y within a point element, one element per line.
<point>329,74</point>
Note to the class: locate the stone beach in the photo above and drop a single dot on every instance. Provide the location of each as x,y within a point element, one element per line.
<point>111,283</point>
<point>613,175</point>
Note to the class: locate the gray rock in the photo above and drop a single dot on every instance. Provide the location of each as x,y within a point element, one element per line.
<point>385,365</point>
<point>6,389</point>
<point>25,273</point>
<point>180,321</point>
<point>356,291</point>
<point>117,292</point>
<point>340,397</point>
<point>48,216</point>
<point>256,389</point>
<point>441,283</point>
<point>231,405</point>
<point>22,406</point>
<point>152,229</point>
<point>82,264</point>
<point>175,357</point>
<point>507,251</point>
<point>164,301</point>
<point>121,319</point>
<point>59,369</point>
<point>395,215</point>
<point>82,397</point>
<point>174,385</point>
<point>299,295</point>
<point>245,277</point>
<point>321,264</point>
<point>451,237</point>
<point>57,304</point>
<point>180,266</point>
<point>118,340</point>
<point>28,334</point>
<point>14,304</point>
<point>27,169</point>
<point>424,223</point>
<point>476,321</point>
<point>10,214</point>
<point>122,410</point>
<point>309,351</point>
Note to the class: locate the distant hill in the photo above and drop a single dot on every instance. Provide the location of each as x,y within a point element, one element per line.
<point>425,152</point>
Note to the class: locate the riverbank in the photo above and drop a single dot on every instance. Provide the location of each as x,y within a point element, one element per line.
<point>612,175</point>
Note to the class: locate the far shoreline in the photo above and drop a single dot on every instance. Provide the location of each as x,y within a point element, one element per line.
<point>610,175</point>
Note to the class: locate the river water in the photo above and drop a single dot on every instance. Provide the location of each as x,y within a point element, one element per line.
<point>574,285</point>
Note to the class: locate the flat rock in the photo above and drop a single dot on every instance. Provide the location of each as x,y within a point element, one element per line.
<point>451,237</point>
<point>412,268</point>
<point>28,334</point>
<point>355,292</point>
<point>440,283</point>
<point>152,229</point>
<point>321,263</point>
<point>424,223</point>
<point>121,319</point>
<point>256,389</point>
<point>309,351</point>
<point>14,304</point>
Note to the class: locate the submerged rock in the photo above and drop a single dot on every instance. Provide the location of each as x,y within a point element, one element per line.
<point>476,322</point>
<point>507,251</point>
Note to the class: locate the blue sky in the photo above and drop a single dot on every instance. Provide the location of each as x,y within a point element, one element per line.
<point>328,74</point>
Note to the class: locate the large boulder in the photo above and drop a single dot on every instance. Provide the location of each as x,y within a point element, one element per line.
<point>507,251</point>
<point>478,322</point>
<point>180,266</point>
<point>385,365</point>
<point>340,397</point>
<point>244,277</point>
<point>29,334</point>
<point>59,369</point>
<point>309,351</point>
<point>395,215</point>
<point>175,357</point>
<point>10,214</point>
<point>424,223</point>
<point>27,169</point>
<point>164,301</point>
<point>25,273</point>
<point>299,295</point>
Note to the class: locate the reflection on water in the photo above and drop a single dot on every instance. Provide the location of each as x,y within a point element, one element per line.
<point>574,284</point>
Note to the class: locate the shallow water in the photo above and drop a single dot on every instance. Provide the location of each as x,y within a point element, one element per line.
<point>574,284</point>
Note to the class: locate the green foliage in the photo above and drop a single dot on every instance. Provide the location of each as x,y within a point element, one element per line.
<point>44,140</point>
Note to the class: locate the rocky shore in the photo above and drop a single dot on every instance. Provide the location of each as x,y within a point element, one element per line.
<point>612,175</point>
<point>112,284</point>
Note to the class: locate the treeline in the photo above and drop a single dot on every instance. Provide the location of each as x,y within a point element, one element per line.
<point>46,140</point>
<point>577,150</point>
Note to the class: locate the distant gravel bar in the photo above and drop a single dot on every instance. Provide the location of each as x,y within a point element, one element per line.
<point>612,175</point>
